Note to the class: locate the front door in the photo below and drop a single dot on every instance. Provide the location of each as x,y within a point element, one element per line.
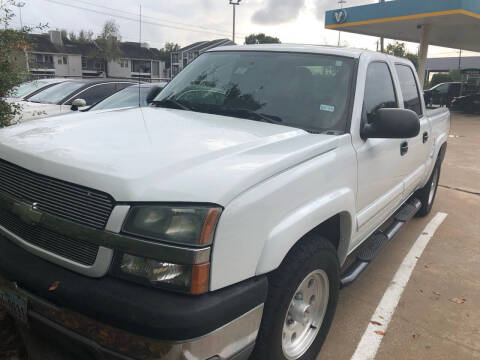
<point>380,169</point>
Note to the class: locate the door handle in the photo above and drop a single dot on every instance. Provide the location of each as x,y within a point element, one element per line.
<point>425,137</point>
<point>403,148</point>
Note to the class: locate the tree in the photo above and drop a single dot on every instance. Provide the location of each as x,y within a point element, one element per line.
<point>399,49</point>
<point>165,53</point>
<point>261,39</point>
<point>13,69</point>
<point>440,78</point>
<point>108,43</point>
<point>85,36</point>
<point>171,47</point>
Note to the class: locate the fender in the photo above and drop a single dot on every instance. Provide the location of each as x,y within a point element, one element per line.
<point>304,219</point>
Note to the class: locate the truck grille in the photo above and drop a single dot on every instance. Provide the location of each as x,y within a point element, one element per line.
<point>56,197</point>
<point>79,251</point>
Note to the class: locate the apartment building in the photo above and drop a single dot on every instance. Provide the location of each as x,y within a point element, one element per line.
<point>186,55</point>
<point>54,56</point>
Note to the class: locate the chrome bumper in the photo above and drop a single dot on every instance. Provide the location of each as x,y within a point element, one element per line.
<point>233,341</point>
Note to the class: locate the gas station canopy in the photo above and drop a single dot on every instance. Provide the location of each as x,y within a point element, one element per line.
<point>451,23</point>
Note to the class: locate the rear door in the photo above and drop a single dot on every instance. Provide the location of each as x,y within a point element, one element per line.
<point>418,148</point>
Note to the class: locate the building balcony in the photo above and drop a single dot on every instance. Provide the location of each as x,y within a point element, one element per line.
<point>41,65</point>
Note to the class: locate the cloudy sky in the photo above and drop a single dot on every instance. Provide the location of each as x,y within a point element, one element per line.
<point>187,21</point>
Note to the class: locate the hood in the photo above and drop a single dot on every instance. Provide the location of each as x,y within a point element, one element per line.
<point>154,154</point>
<point>32,111</point>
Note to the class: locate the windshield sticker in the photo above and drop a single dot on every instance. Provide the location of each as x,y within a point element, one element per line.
<point>328,108</point>
<point>339,63</point>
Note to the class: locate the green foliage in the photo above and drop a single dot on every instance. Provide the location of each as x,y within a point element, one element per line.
<point>261,39</point>
<point>108,42</point>
<point>440,78</point>
<point>456,75</point>
<point>13,70</point>
<point>165,53</point>
<point>399,49</point>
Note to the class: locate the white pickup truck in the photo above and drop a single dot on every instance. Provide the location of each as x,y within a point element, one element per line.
<point>222,221</point>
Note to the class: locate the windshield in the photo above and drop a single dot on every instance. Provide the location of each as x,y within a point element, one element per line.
<point>27,88</point>
<point>126,98</point>
<point>307,91</point>
<point>55,94</point>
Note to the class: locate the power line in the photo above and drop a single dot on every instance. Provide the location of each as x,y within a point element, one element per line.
<point>155,18</point>
<point>135,20</point>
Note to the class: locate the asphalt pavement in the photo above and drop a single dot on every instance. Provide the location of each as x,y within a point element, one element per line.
<point>438,313</point>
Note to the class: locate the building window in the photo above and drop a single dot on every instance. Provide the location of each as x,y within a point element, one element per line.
<point>59,61</point>
<point>142,66</point>
<point>65,60</point>
<point>175,58</point>
<point>123,63</point>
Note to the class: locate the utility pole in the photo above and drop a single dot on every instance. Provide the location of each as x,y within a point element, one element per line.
<point>340,2</point>
<point>460,60</point>
<point>234,3</point>
<point>382,40</point>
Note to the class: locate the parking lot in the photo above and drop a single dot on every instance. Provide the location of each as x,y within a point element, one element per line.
<point>437,316</point>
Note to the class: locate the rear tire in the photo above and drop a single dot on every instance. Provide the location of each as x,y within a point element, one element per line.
<point>428,193</point>
<point>301,303</point>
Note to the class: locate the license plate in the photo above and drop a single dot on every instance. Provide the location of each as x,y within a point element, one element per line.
<point>15,304</point>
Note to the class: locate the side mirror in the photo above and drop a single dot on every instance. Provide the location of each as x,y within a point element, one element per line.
<point>78,103</point>
<point>392,124</point>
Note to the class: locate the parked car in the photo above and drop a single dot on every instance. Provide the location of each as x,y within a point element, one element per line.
<point>68,96</point>
<point>470,104</point>
<point>30,88</point>
<point>443,94</point>
<point>216,223</point>
<point>132,96</point>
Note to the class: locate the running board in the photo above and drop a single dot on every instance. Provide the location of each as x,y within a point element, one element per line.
<point>372,246</point>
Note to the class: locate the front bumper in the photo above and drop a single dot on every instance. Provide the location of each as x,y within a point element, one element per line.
<point>116,319</point>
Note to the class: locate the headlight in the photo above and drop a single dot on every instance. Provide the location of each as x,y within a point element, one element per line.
<point>192,226</point>
<point>192,279</point>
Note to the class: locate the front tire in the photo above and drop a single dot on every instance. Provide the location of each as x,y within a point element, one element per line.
<point>301,303</point>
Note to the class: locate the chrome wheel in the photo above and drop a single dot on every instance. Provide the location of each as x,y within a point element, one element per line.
<point>305,315</point>
<point>433,186</point>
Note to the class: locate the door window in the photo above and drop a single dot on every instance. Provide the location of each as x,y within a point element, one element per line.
<point>379,90</point>
<point>410,90</point>
<point>95,94</point>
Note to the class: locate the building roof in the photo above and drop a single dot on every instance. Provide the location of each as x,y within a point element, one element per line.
<point>131,50</point>
<point>42,43</point>
<point>206,45</point>
<point>451,63</point>
<point>453,23</point>
<point>134,50</point>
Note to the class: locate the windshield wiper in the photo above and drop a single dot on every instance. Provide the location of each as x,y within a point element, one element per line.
<point>170,103</point>
<point>272,119</point>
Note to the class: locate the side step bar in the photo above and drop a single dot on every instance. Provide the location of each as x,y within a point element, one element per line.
<point>371,247</point>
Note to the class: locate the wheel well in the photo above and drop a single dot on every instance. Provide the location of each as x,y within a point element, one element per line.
<point>329,229</point>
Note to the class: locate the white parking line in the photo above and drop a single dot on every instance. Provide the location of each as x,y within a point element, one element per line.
<point>372,338</point>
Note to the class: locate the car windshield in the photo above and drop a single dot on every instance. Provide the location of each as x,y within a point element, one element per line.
<point>307,91</point>
<point>126,98</point>
<point>55,94</point>
<point>27,88</point>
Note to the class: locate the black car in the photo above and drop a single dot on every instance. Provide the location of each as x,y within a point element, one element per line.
<point>83,92</point>
<point>470,104</point>
<point>442,94</point>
